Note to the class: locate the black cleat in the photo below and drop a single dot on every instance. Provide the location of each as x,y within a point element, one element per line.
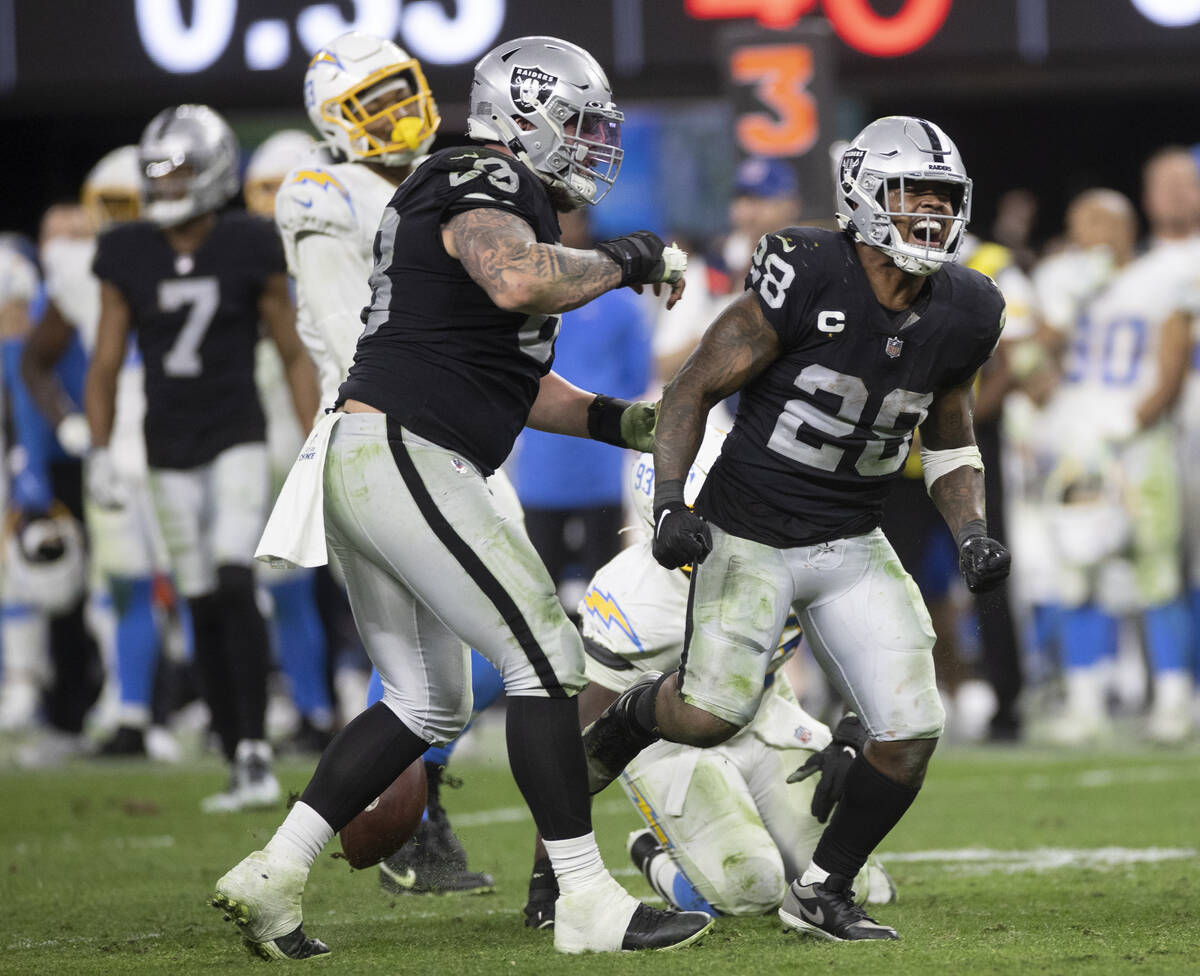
<point>827,910</point>
<point>611,742</point>
<point>654,928</point>
<point>125,741</point>
<point>423,866</point>
<point>294,945</point>
<point>543,893</point>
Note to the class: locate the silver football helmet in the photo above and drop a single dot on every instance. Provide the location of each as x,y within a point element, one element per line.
<point>889,154</point>
<point>189,161</point>
<point>550,102</point>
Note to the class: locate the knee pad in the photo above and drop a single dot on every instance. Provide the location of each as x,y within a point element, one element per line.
<point>438,725</point>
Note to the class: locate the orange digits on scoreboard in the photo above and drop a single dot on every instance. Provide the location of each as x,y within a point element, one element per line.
<point>855,21</point>
<point>780,74</point>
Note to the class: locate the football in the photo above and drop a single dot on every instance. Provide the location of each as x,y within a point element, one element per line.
<point>388,821</point>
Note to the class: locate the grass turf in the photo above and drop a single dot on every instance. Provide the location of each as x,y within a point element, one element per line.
<point>1012,861</point>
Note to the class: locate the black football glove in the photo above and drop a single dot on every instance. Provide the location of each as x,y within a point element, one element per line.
<point>680,535</point>
<point>983,561</point>
<point>833,763</point>
<point>644,259</point>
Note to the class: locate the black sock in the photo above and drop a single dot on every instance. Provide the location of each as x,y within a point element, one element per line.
<point>869,808</point>
<point>361,762</point>
<point>545,753</point>
<point>246,647</point>
<point>211,668</point>
<point>641,710</point>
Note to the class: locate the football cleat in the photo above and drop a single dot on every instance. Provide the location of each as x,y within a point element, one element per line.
<point>611,742</point>
<point>543,893</point>
<point>125,741</point>
<point>262,895</point>
<point>252,782</point>
<point>827,911</point>
<point>425,866</point>
<point>604,917</point>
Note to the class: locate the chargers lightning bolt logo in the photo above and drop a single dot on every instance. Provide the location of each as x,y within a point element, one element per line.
<point>604,608</point>
<point>325,181</point>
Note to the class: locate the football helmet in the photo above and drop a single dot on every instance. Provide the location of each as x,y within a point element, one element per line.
<point>269,164</point>
<point>189,160</point>
<point>370,100</point>
<point>112,190</point>
<point>888,154</point>
<point>551,104</point>
<point>44,561</point>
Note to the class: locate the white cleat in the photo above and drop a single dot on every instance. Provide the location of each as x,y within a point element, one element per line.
<point>606,918</point>
<point>252,784</point>
<point>262,895</point>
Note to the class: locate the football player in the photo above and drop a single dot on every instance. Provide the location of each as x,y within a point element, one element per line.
<point>299,638</point>
<point>126,548</point>
<point>1111,432</point>
<point>192,282</point>
<point>371,104</point>
<point>842,344</point>
<point>467,286</point>
<point>726,827</point>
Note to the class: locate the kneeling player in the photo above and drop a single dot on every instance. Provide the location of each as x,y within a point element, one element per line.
<point>725,827</point>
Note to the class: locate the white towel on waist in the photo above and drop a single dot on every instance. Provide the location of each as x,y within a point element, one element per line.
<point>295,532</point>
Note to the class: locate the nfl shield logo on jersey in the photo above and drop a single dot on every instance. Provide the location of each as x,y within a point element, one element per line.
<point>893,347</point>
<point>530,87</point>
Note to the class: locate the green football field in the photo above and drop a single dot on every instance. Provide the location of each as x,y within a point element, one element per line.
<point>1012,861</point>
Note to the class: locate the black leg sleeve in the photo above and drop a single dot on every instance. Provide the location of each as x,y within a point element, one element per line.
<point>545,752</point>
<point>360,763</point>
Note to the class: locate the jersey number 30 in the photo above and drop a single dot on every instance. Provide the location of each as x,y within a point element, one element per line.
<point>201,297</point>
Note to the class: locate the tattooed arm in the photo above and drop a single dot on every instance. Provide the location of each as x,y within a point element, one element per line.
<point>738,346</point>
<point>502,255</point>
<point>958,494</point>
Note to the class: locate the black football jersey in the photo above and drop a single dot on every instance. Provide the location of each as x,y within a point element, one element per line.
<point>823,430</point>
<point>436,353</point>
<point>196,322</point>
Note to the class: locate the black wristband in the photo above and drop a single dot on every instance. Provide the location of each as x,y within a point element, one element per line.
<point>970,530</point>
<point>668,494</point>
<point>604,419</point>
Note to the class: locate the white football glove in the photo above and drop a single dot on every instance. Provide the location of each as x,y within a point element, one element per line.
<point>105,486</point>
<point>73,434</point>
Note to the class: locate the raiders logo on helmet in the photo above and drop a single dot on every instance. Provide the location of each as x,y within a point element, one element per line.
<point>531,87</point>
<point>851,162</point>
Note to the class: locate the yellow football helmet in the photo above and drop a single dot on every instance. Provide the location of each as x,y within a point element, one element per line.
<point>370,100</point>
<point>112,190</point>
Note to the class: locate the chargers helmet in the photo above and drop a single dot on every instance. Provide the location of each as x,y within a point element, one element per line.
<point>887,154</point>
<point>269,164</point>
<point>189,159</point>
<point>550,102</point>
<point>44,561</point>
<point>344,94</point>
<point>112,189</point>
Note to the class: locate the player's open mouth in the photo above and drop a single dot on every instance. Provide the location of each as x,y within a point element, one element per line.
<point>926,231</point>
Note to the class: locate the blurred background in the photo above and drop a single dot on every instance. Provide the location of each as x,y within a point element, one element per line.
<point>736,111</point>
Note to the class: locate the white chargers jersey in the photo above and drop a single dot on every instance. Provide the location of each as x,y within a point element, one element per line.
<point>1112,361</point>
<point>342,202</point>
<point>1064,282</point>
<point>75,291</point>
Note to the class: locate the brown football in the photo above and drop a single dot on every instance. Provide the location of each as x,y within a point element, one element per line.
<point>383,827</point>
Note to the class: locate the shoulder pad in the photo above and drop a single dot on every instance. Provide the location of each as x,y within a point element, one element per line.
<point>314,198</point>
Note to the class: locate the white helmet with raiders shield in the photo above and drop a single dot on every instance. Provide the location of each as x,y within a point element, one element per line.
<point>550,103</point>
<point>189,158</point>
<point>893,153</point>
<point>112,190</point>
<point>369,99</point>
